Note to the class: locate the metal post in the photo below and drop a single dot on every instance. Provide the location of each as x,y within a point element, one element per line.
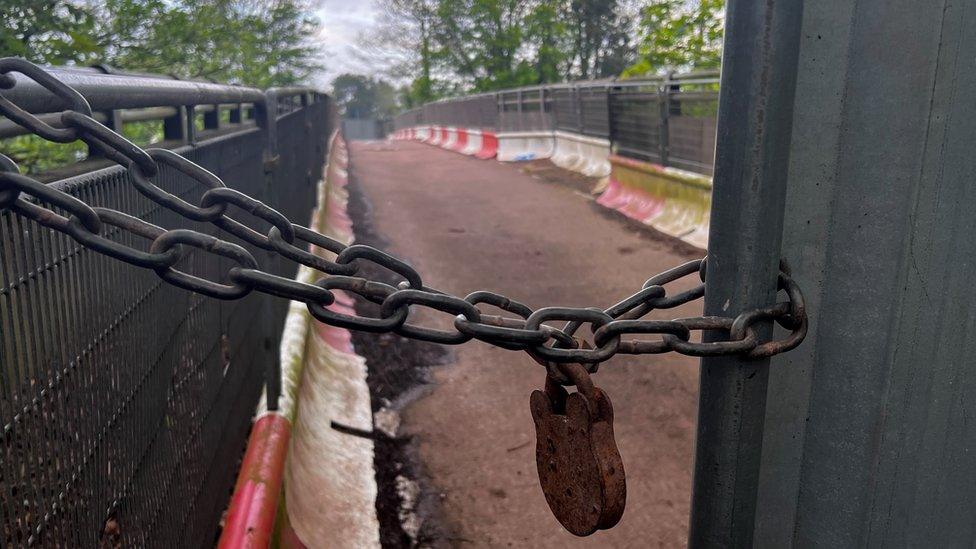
<point>578,107</point>
<point>191,124</point>
<point>174,127</point>
<point>518,102</point>
<point>754,125</point>
<point>211,119</point>
<point>664,105</point>
<point>611,117</point>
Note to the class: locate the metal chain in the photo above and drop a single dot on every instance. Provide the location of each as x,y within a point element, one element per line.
<point>526,331</point>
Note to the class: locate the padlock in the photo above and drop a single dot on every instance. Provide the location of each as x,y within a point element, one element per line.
<point>580,469</point>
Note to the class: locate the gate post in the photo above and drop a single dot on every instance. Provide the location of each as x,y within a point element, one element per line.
<point>751,162</point>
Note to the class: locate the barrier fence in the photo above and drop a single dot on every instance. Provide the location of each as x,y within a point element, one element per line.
<point>650,142</point>
<point>126,401</point>
<point>669,121</point>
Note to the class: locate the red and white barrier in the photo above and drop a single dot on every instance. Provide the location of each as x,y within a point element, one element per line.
<point>489,146</point>
<point>473,144</point>
<point>460,141</point>
<point>326,477</point>
<point>450,138</point>
<point>436,136</point>
<point>481,144</point>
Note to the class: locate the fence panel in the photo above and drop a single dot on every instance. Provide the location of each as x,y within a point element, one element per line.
<point>565,109</point>
<point>594,111</point>
<point>667,121</point>
<point>692,115</point>
<point>636,121</point>
<point>487,117</point>
<point>126,401</point>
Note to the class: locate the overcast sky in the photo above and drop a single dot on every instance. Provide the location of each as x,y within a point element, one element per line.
<point>342,21</point>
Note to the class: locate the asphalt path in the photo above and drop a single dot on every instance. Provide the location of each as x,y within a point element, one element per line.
<point>531,233</point>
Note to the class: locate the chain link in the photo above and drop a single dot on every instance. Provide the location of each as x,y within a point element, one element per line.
<point>527,331</point>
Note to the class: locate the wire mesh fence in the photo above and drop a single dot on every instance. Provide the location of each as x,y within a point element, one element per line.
<point>668,120</point>
<point>125,401</point>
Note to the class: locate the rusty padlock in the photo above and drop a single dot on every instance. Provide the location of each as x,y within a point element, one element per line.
<point>580,469</point>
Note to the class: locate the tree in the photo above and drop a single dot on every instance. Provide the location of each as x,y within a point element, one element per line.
<point>358,96</point>
<point>547,33</point>
<point>255,42</point>
<point>260,43</point>
<point>401,45</point>
<point>53,32</point>
<point>481,40</point>
<point>249,42</point>
<point>457,46</point>
<point>600,37</point>
<point>676,34</point>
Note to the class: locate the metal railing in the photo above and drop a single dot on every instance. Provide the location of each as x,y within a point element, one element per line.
<point>668,120</point>
<point>126,402</point>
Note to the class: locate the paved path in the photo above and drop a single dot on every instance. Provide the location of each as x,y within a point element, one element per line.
<point>468,224</point>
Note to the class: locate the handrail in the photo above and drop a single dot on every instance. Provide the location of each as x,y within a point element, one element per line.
<point>115,91</point>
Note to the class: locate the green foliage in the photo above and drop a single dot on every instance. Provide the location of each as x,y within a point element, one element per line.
<point>35,155</point>
<point>260,43</point>
<point>457,46</point>
<point>254,43</point>
<point>359,96</point>
<point>680,35</point>
<point>547,31</point>
<point>480,40</point>
<point>49,31</point>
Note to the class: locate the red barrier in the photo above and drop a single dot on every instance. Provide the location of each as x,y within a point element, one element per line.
<point>445,134</point>
<point>489,146</point>
<point>436,137</point>
<point>251,517</point>
<point>462,140</point>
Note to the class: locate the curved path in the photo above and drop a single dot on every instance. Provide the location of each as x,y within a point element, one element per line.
<point>468,224</point>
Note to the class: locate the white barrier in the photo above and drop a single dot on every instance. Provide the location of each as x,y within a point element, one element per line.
<point>518,146</point>
<point>566,154</point>
<point>581,153</point>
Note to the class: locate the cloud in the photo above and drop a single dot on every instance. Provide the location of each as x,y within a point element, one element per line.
<point>342,23</point>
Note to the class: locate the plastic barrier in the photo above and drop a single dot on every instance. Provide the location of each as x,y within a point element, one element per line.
<point>489,146</point>
<point>519,146</point>
<point>474,143</point>
<point>565,154</point>
<point>450,138</point>
<point>675,202</point>
<point>481,144</point>
<point>436,136</point>
<point>327,477</point>
<point>580,153</point>
<point>461,142</point>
